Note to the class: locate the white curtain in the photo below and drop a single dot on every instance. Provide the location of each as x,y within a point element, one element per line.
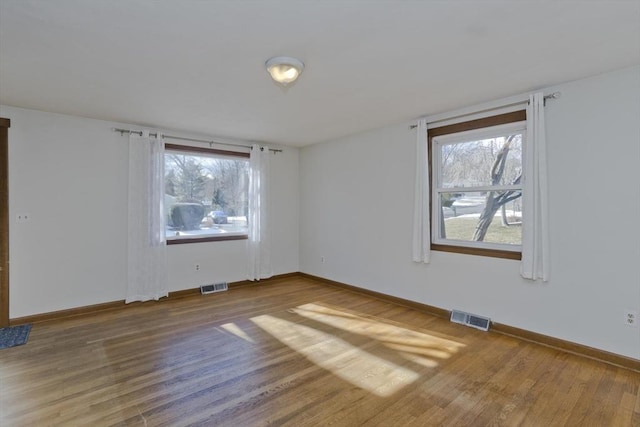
<point>147,270</point>
<point>421,223</point>
<point>259,242</point>
<point>535,231</point>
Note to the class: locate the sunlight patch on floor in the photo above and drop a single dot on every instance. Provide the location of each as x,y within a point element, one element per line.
<point>234,329</point>
<point>374,374</point>
<point>416,346</point>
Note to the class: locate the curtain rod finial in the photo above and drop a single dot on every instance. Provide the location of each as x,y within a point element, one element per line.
<point>554,95</point>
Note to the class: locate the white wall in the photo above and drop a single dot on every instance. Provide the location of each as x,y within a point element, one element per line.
<point>356,208</point>
<point>70,175</point>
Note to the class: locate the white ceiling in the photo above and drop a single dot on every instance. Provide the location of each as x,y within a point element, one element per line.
<point>198,66</point>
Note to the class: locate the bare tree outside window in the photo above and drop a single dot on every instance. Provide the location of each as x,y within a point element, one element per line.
<point>498,199</point>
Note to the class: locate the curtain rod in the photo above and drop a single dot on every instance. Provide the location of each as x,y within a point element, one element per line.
<point>181,138</point>
<point>554,95</point>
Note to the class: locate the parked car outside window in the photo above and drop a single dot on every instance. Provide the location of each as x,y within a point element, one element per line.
<point>219,217</point>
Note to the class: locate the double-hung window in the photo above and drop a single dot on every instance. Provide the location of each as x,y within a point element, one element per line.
<point>206,194</point>
<point>476,186</point>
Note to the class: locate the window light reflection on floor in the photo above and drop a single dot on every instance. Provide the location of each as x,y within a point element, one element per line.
<point>351,363</point>
<point>235,330</point>
<point>356,363</point>
<point>408,342</point>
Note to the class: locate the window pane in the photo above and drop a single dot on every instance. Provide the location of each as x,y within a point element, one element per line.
<point>205,195</point>
<point>492,161</point>
<point>478,216</point>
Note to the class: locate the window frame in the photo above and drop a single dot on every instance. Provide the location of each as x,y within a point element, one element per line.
<point>471,125</point>
<point>208,151</point>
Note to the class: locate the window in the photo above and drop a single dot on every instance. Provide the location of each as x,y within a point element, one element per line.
<point>206,194</point>
<point>476,186</point>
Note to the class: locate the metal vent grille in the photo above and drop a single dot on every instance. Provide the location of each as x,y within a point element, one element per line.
<point>472,320</point>
<point>215,287</point>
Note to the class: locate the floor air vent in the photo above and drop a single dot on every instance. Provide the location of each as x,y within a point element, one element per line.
<point>216,287</point>
<point>472,320</point>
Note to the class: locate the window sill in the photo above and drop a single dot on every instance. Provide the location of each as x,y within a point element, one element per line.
<point>494,253</point>
<point>205,239</point>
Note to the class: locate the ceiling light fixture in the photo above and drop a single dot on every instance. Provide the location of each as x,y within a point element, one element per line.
<point>284,70</point>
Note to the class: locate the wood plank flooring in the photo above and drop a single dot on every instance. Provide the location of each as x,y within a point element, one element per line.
<point>297,352</point>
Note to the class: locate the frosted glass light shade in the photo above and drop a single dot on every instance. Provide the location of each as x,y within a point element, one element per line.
<point>284,70</point>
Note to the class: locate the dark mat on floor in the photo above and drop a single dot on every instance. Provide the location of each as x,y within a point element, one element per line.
<point>13,336</point>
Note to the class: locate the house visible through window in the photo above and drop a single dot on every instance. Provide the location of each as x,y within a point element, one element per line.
<point>206,194</point>
<point>476,186</point>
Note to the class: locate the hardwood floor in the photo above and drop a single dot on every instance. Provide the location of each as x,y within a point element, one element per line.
<point>300,353</point>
